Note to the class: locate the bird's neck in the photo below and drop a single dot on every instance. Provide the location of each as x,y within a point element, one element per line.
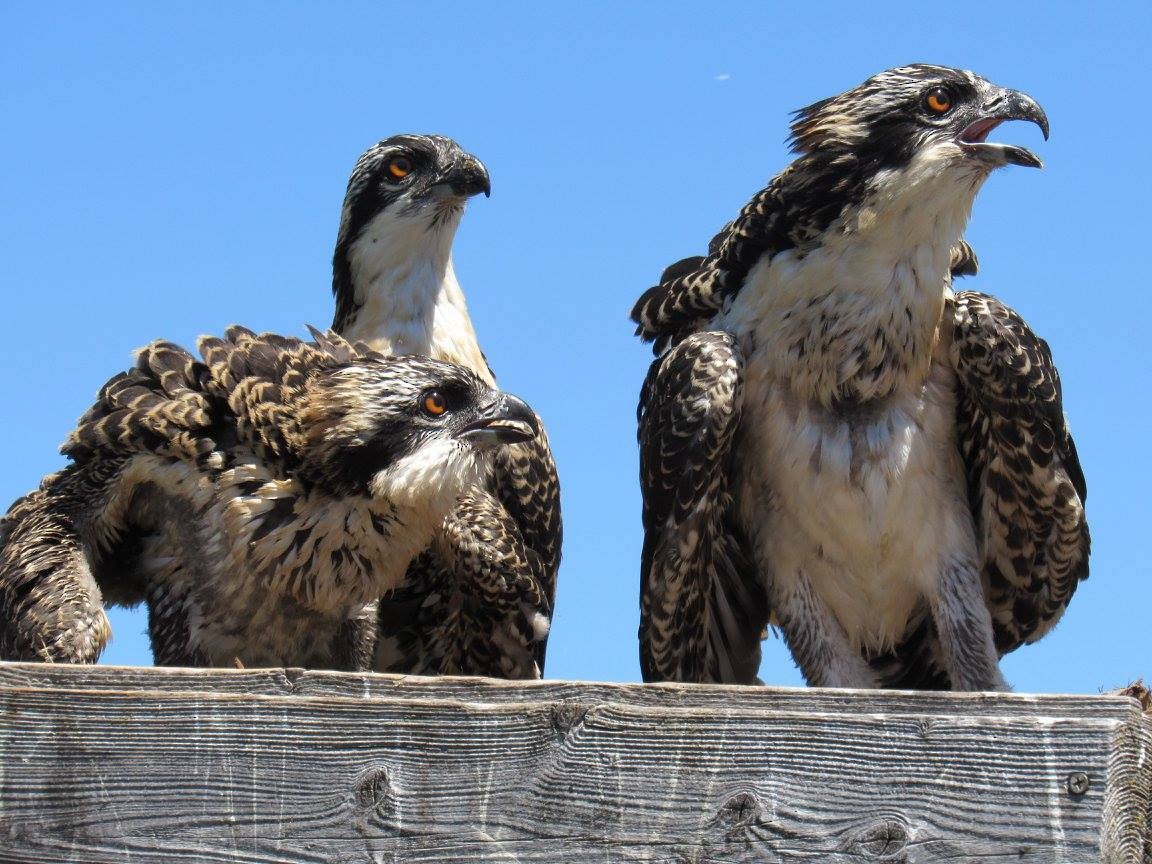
<point>921,204</point>
<point>400,294</point>
<point>856,317</point>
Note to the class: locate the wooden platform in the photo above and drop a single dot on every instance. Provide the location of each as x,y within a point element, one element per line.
<point>106,765</point>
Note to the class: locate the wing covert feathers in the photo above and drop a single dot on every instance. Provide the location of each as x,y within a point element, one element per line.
<point>161,406</point>
<point>1025,483</point>
<point>172,403</point>
<point>525,481</point>
<point>511,608</point>
<point>702,612</point>
<point>694,289</point>
<point>473,604</point>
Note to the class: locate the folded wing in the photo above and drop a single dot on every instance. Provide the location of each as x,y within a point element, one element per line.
<point>702,611</point>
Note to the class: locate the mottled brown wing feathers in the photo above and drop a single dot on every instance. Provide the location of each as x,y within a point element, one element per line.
<point>264,378</point>
<point>337,346</point>
<point>1025,482</point>
<point>480,601</point>
<point>159,406</point>
<point>702,612</point>
<point>525,481</point>
<point>963,261</point>
<point>50,608</point>
<point>54,556</point>
<point>173,403</point>
<point>507,605</point>
<point>54,542</point>
<point>681,268</point>
<point>695,289</point>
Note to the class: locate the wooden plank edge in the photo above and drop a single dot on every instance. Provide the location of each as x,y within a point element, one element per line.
<point>301,683</point>
<point>1126,832</point>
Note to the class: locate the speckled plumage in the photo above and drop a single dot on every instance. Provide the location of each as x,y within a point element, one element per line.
<point>834,442</point>
<point>396,290</point>
<point>259,499</point>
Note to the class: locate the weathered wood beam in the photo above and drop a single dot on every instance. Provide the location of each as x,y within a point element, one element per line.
<point>301,682</point>
<point>148,765</point>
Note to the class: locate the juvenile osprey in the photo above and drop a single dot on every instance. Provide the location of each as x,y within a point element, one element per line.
<point>397,292</point>
<point>833,438</point>
<point>259,500</point>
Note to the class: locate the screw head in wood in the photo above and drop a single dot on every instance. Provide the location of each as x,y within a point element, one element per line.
<point>1077,783</point>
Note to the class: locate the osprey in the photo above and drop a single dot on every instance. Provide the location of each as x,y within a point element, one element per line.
<point>834,441</point>
<point>396,291</point>
<point>259,500</point>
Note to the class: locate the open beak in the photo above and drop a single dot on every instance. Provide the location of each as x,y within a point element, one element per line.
<point>1003,105</point>
<point>466,177</point>
<point>507,420</point>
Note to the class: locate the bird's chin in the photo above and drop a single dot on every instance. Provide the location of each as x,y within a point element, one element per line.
<point>435,211</point>
<point>446,212</point>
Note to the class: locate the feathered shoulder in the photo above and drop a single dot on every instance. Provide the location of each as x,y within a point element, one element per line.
<point>694,289</point>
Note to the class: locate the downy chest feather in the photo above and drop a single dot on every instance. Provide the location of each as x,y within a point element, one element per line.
<point>855,318</point>
<point>270,570</point>
<point>865,504</point>
<point>848,470</point>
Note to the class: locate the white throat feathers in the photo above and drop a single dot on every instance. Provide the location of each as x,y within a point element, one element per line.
<point>856,318</point>
<point>408,300</point>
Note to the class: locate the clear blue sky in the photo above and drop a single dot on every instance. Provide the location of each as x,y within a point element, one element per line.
<point>168,169</point>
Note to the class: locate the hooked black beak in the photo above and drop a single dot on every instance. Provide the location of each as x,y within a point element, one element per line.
<point>507,420</point>
<point>1003,105</point>
<point>467,177</point>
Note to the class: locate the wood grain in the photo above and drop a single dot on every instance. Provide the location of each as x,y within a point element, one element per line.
<point>156,766</point>
<point>301,682</point>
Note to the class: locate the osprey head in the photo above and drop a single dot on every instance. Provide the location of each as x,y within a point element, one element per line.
<point>401,211</point>
<point>919,112</point>
<point>410,429</point>
<point>426,179</point>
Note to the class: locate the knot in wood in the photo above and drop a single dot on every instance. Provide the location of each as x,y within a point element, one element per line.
<point>741,809</point>
<point>883,841</point>
<point>567,716</point>
<point>373,789</point>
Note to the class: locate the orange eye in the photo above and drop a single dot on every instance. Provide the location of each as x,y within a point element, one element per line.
<point>435,403</point>
<point>938,100</point>
<point>400,167</point>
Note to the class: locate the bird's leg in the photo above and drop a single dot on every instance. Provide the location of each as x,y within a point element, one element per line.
<point>355,641</point>
<point>816,638</point>
<point>170,609</point>
<point>964,626</point>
